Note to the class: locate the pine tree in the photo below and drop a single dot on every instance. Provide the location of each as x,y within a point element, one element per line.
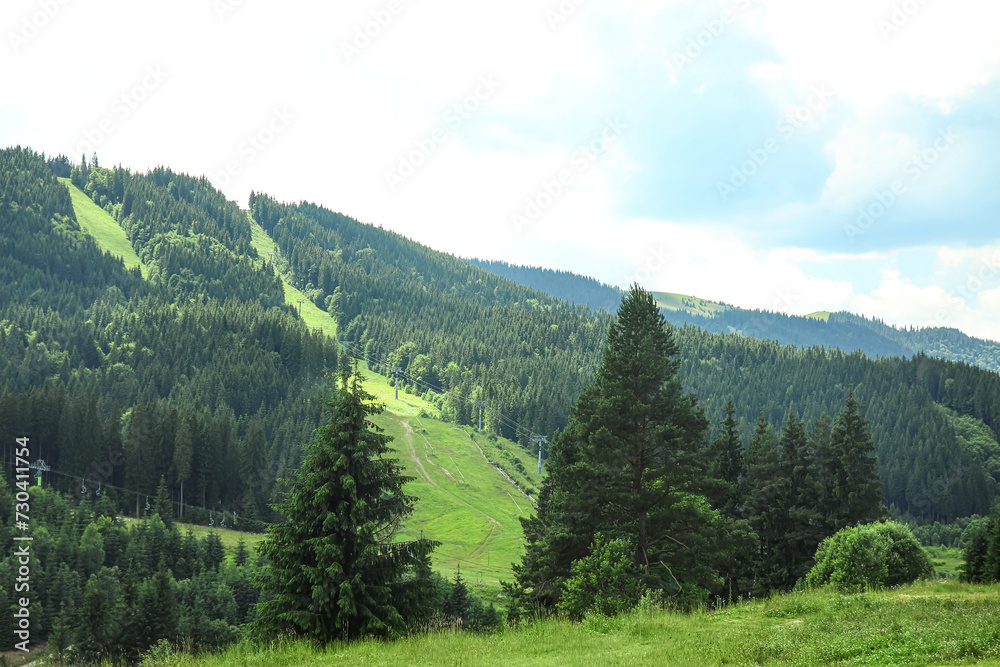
<point>766,508</point>
<point>730,467</point>
<point>806,527</point>
<point>334,571</point>
<point>856,493</point>
<point>162,504</point>
<point>631,464</point>
<point>457,602</point>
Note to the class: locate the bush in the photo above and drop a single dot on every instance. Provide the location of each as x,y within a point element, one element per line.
<point>604,582</point>
<point>873,555</point>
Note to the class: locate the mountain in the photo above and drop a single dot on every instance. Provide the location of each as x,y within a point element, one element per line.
<point>841,330</point>
<point>205,373</point>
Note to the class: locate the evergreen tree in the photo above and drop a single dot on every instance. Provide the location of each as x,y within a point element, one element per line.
<point>730,467</point>
<point>766,508</point>
<point>806,527</point>
<point>631,464</point>
<point>162,505</point>
<point>334,571</point>
<point>457,602</point>
<point>856,493</point>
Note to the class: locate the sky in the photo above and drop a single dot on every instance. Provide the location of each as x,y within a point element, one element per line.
<point>790,155</point>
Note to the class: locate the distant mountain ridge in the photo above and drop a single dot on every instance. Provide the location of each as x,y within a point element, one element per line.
<point>844,331</point>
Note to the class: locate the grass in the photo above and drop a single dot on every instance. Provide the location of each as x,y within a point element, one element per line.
<point>820,315</point>
<point>925,624</point>
<point>464,503</point>
<point>692,304</point>
<point>313,316</point>
<point>946,561</point>
<point>99,224</point>
<point>230,538</point>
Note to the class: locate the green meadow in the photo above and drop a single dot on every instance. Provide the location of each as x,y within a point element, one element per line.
<point>929,623</point>
<point>102,227</point>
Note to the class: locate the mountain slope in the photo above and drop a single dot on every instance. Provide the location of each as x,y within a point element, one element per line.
<point>95,221</point>
<point>841,330</point>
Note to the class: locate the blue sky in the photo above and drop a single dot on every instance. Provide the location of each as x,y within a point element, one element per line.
<point>781,154</point>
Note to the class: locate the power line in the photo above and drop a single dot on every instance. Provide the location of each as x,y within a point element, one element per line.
<point>505,420</point>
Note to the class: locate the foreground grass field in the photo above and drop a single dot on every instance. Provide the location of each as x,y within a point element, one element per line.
<point>925,624</point>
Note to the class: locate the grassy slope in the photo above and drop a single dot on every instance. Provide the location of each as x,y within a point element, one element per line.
<point>692,304</point>
<point>105,230</point>
<point>463,502</point>
<point>928,623</point>
<point>313,317</point>
<point>820,315</point>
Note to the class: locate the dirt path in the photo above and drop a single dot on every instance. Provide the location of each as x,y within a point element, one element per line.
<point>413,454</point>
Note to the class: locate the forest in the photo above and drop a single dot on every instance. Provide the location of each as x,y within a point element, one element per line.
<point>191,393</point>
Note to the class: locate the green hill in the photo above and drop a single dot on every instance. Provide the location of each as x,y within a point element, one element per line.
<point>464,501</point>
<point>690,304</point>
<point>99,224</point>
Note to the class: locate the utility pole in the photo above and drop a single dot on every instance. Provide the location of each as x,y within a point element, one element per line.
<point>301,301</point>
<point>396,370</point>
<point>41,467</point>
<point>480,405</point>
<point>540,440</point>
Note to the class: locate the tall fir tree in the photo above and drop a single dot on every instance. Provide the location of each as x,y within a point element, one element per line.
<point>730,466</point>
<point>632,464</point>
<point>856,490</point>
<point>334,571</point>
<point>766,507</point>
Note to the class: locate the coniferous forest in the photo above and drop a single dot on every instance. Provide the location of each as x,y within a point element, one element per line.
<point>688,466</point>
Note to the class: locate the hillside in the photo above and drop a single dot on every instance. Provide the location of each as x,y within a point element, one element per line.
<point>460,334</point>
<point>841,330</point>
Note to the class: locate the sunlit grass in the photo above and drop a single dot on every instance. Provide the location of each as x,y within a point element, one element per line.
<point>942,623</point>
<point>102,227</point>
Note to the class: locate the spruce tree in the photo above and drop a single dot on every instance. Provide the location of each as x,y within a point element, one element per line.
<point>806,526</point>
<point>162,504</point>
<point>632,463</point>
<point>730,467</point>
<point>334,571</point>
<point>766,508</point>
<point>856,493</point>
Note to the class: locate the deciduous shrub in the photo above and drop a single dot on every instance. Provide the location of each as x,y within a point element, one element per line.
<point>873,555</point>
<point>604,582</point>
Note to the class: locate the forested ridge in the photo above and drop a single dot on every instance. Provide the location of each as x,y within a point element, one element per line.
<point>844,331</point>
<point>198,375</point>
<point>199,382</point>
<point>459,333</point>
